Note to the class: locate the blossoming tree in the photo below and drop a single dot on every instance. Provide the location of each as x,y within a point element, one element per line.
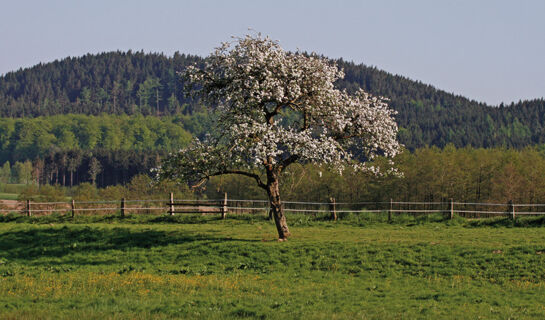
<point>276,108</point>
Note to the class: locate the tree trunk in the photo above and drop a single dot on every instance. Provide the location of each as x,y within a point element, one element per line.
<point>276,205</point>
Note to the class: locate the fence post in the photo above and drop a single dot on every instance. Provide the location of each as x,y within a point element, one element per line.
<point>73,208</point>
<point>513,216</point>
<point>171,205</point>
<point>451,209</point>
<point>390,210</point>
<point>332,209</point>
<point>122,207</point>
<point>511,209</point>
<point>224,208</point>
<point>28,210</point>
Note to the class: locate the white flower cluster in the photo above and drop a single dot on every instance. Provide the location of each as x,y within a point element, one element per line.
<point>255,84</point>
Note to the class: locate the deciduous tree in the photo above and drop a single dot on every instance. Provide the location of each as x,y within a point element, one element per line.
<point>275,108</point>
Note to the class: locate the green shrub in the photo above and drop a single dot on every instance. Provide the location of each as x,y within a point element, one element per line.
<point>30,192</point>
<point>47,193</point>
<point>85,192</point>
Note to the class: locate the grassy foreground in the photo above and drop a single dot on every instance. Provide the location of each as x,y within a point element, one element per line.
<point>154,269</point>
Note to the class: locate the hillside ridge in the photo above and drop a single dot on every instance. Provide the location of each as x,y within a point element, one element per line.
<point>147,83</point>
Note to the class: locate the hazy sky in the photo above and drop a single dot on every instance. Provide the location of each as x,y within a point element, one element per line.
<point>490,51</point>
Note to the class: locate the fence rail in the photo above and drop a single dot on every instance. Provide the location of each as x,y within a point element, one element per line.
<point>241,206</point>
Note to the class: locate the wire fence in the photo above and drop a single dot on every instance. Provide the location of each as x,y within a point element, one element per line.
<point>247,206</point>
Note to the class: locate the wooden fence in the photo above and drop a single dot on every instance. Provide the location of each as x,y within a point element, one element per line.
<point>226,206</point>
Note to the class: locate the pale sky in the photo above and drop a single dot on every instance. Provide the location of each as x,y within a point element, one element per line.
<point>489,50</point>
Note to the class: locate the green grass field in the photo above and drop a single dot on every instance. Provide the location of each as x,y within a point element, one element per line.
<point>195,267</point>
<point>11,191</point>
<point>8,196</point>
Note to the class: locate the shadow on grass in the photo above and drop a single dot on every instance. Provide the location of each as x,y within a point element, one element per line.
<point>129,219</point>
<point>32,244</point>
<point>520,222</point>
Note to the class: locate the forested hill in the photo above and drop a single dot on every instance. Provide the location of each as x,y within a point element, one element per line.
<point>429,116</point>
<point>140,83</point>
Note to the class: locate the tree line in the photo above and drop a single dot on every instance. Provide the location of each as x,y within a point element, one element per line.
<point>31,138</point>
<point>105,149</point>
<point>431,174</point>
<point>67,168</point>
<point>148,84</point>
<point>60,150</point>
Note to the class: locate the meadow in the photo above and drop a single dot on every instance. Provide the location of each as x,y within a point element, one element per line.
<point>193,267</point>
<point>8,196</point>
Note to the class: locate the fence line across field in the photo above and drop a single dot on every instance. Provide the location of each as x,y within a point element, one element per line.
<point>98,202</point>
<point>327,203</point>
<point>530,205</point>
<point>480,204</point>
<point>486,212</point>
<point>417,211</point>
<point>50,203</point>
<point>172,206</point>
<point>418,203</point>
<point>200,200</point>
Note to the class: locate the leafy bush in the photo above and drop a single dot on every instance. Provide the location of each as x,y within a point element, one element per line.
<point>85,192</point>
<point>47,193</point>
<point>29,192</point>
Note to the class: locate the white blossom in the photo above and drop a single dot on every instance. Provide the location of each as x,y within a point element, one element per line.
<point>276,107</point>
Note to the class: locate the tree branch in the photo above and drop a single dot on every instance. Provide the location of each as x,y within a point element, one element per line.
<point>244,173</point>
<point>286,162</point>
